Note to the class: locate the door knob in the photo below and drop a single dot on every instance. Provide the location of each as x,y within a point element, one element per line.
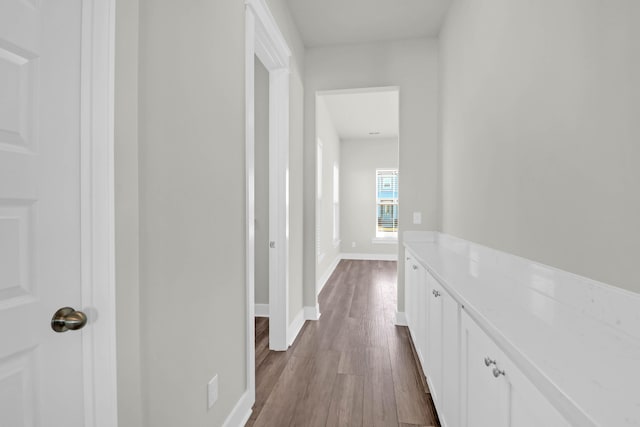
<point>68,319</point>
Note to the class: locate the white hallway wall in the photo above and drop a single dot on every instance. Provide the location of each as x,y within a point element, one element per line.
<point>191,112</point>
<point>359,160</point>
<point>413,66</point>
<point>170,256</point>
<point>540,132</point>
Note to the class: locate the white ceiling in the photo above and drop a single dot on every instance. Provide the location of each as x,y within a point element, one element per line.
<point>355,115</point>
<point>331,22</point>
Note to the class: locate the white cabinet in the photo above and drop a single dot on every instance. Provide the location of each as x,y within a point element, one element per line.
<point>472,382</point>
<point>443,351</point>
<point>497,393</point>
<point>416,304</point>
<point>409,290</point>
<point>433,319</point>
<point>434,348</point>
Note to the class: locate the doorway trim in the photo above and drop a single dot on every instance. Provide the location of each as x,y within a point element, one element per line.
<point>97,219</point>
<point>264,40</point>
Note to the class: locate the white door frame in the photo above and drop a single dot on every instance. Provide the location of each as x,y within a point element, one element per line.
<point>97,212</point>
<point>264,40</point>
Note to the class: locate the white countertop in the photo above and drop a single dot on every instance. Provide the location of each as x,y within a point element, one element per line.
<point>576,339</point>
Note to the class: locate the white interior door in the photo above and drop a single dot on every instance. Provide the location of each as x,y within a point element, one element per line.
<point>41,371</point>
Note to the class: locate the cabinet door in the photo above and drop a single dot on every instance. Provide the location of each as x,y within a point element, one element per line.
<point>435,326</point>
<point>527,406</point>
<point>450,360</point>
<point>484,397</point>
<point>443,358</point>
<point>409,285</point>
<point>421,313</point>
<point>497,392</point>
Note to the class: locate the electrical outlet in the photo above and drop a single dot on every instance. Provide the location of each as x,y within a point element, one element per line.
<point>212,390</point>
<point>353,244</point>
<point>417,217</point>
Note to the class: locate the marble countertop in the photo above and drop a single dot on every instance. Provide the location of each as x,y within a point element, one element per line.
<point>576,339</point>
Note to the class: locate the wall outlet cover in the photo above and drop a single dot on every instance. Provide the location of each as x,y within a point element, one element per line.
<point>417,217</point>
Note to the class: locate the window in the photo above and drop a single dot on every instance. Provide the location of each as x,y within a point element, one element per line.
<point>387,203</point>
<point>336,205</point>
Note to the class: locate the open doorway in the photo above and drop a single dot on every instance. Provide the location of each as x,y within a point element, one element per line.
<point>265,45</point>
<point>261,185</point>
<point>357,177</point>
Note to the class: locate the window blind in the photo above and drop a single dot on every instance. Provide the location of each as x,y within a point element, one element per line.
<point>386,202</point>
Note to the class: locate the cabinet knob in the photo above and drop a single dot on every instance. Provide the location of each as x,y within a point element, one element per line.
<point>436,293</point>
<point>488,361</point>
<point>408,258</point>
<point>415,267</point>
<point>497,372</point>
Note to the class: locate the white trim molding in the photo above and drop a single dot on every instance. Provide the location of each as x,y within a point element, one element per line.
<point>326,275</point>
<point>241,411</point>
<point>312,313</point>
<point>295,327</point>
<point>97,217</point>
<point>270,45</point>
<point>307,313</point>
<point>261,310</point>
<point>264,40</point>
<point>401,319</point>
<point>371,257</point>
<point>278,206</point>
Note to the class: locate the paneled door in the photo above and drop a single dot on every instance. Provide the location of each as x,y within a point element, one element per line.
<point>43,373</point>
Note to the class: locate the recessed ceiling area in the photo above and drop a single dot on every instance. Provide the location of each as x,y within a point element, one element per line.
<point>365,114</point>
<point>332,22</point>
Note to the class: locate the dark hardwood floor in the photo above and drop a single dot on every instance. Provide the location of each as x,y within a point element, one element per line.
<point>353,367</point>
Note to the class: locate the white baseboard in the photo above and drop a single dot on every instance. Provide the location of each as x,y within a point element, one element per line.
<point>241,412</point>
<point>325,276</point>
<point>294,328</point>
<point>262,310</point>
<point>372,257</point>
<point>312,313</point>
<point>401,319</point>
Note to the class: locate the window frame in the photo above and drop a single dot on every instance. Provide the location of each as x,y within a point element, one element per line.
<point>387,236</point>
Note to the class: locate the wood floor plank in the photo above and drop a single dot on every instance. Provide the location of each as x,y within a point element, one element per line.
<point>410,396</point>
<point>362,287</point>
<point>379,407</point>
<point>347,401</point>
<point>353,367</point>
<point>280,408</point>
<point>267,377</point>
<point>313,408</point>
<point>348,333</point>
<point>262,339</point>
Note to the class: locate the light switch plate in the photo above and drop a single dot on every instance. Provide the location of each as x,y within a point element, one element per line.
<point>417,217</point>
<point>212,390</point>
